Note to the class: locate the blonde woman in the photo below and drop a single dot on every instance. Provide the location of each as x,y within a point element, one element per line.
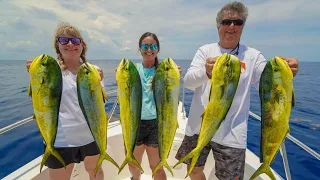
<point>74,141</point>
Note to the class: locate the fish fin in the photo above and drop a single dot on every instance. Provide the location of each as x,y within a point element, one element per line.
<point>203,114</point>
<point>293,100</point>
<point>153,83</point>
<point>123,164</point>
<point>159,165</point>
<point>48,151</point>
<point>264,168</point>
<point>104,94</point>
<point>58,156</point>
<point>131,159</point>
<point>34,117</point>
<point>30,90</point>
<point>42,81</point>
<point>102,157</point>
<point>222,89</point>
<point>118,95</point>
<point>210,92</point>
<point>193,163</point>
<point>188,156</point>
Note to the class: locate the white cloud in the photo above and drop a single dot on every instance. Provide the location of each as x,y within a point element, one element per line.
<point>18,44</point>
<point>126,49</point>
<point>114,27</point>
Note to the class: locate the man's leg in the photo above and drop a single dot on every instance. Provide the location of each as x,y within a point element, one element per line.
<point>229,161</point>
<point>187,145</point>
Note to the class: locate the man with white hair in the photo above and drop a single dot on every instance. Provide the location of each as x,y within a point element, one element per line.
<point>230,141</point>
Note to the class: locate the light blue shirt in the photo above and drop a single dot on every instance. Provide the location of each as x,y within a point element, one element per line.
<point>148,110</point>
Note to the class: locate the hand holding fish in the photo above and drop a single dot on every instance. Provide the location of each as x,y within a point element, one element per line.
<point>100,73</point>
<point>293,64</point>
<point>28,64</point>
<point>209,66</point>
<point>179,68</point>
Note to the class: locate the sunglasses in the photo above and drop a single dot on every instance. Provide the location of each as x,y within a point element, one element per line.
<point>145,47</point>
<point>65,40</point>
<point>228,22</point>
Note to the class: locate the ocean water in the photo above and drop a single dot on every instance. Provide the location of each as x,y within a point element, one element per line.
<point>23,144</point>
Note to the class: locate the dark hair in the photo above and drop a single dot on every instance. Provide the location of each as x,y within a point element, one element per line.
<point>147,34</point>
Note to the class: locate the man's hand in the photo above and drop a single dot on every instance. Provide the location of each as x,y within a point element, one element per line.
<point>179,68</point>
<point>293,64</point>
<point>100,73</point>
<point>209,66</point>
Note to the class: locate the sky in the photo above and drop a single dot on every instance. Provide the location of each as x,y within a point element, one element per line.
<point>112,28</point>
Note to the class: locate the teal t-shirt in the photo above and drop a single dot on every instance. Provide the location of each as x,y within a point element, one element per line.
<point>148,110</point>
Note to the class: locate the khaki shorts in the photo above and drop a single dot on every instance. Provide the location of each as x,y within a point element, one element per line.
<point>229,162</point>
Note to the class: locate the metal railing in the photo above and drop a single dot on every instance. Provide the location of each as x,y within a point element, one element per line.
<point>283,151</point>
<point>29,119</point>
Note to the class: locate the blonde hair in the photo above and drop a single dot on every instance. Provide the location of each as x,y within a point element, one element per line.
<point>64,29</point>
<point>233,7</point>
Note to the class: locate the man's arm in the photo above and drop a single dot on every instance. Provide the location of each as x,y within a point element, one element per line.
<point>196,74</point>
<point>258,69</point>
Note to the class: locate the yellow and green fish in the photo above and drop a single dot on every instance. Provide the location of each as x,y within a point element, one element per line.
<point>224,83</point>
<point>277,98</point>
<point>91,97</point>
<point>166,84</point>
<point>130,101</point>
<point>46,89</point>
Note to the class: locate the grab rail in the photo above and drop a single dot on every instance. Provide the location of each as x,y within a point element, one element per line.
<point>294,140</point>
<point>29,119</point>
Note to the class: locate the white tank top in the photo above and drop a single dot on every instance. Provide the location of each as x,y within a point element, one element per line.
<point>73,130</point>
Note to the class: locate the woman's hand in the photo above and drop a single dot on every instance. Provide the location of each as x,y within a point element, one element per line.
<point>179,68</point>
<point>28,64</point>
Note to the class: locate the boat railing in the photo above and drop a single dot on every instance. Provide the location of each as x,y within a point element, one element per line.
<point>282,149</point>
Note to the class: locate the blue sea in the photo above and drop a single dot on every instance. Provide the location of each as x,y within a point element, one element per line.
<point>23,144</point>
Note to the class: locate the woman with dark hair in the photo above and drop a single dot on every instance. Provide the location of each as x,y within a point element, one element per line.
<point>149,48</point>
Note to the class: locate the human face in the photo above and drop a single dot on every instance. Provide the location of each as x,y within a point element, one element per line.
<point>149,55</point>
<point>229,34</point>
<point>70,52</point>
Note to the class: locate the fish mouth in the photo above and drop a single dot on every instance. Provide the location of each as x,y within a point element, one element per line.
<point>87,67</point>
<point>44,61</point>
<point>171,63</point>
<point>275,62</point>
<point>124,63</point>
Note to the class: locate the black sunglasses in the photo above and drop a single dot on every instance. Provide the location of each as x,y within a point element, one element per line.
<point>228,22</point>
<point>66,40</point>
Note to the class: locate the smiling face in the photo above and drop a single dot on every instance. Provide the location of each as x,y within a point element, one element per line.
<point>148,54</point>
<point>229,34</point>
<point>70,52</point>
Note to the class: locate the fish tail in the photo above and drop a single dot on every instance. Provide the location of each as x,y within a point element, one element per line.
<point>101,158</point>
<point>159,165</point>
<point>47,153</point>
<point>264,168</point>
<point>132,159</point>
<point>188,156</point>
<point>193,163</point>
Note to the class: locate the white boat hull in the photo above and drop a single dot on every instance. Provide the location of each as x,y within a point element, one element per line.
<point>115,147</point>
